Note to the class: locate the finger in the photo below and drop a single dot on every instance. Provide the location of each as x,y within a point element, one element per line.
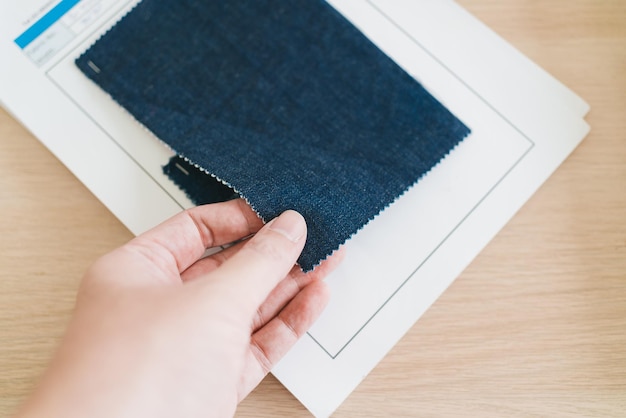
<point>269,344</point>
<point>263,261</point>
<point>288,288</point>
<point>184,238</point>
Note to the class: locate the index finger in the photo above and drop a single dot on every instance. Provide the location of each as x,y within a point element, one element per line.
<point>187,235</point>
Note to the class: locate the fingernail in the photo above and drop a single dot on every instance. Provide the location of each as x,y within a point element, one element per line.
<point>290,224</point>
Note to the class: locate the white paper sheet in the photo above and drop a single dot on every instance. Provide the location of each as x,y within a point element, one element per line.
<point>524,124</point>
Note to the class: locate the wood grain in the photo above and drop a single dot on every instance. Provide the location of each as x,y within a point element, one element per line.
<point>535,326</point>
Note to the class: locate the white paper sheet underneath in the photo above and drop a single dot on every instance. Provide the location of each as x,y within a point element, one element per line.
<point>524,124</point>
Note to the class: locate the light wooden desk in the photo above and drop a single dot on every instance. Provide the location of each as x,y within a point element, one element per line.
<point>536,326</point>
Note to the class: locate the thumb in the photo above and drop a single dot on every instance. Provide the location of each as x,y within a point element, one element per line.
<point>264,260</point>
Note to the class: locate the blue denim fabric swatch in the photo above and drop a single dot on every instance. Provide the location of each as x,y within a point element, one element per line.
<point>286,101</point>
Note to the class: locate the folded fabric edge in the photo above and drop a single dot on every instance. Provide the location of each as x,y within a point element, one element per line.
<point>178,173</point>
<point>196,198</point>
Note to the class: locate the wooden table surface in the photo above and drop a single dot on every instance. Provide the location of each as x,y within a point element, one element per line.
<point>535,326</point>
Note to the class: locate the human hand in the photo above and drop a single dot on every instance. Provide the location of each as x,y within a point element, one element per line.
<point>159,331</point>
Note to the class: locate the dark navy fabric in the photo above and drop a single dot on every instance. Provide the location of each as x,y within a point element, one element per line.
<point>286,101</point>
<point>199,186</point>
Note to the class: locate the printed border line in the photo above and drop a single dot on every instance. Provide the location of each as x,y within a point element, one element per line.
<point>128,154</point>
<point>84,112</point>
<point>467,215</point>
<point>497,112</point>
<point>418,44</point>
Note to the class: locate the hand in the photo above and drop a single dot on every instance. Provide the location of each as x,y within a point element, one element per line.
<point>160,331</point>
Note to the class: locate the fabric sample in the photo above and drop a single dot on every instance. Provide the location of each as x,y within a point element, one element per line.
<point>285,101</point>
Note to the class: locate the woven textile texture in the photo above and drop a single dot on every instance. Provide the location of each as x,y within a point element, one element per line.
<point>285,101</point>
